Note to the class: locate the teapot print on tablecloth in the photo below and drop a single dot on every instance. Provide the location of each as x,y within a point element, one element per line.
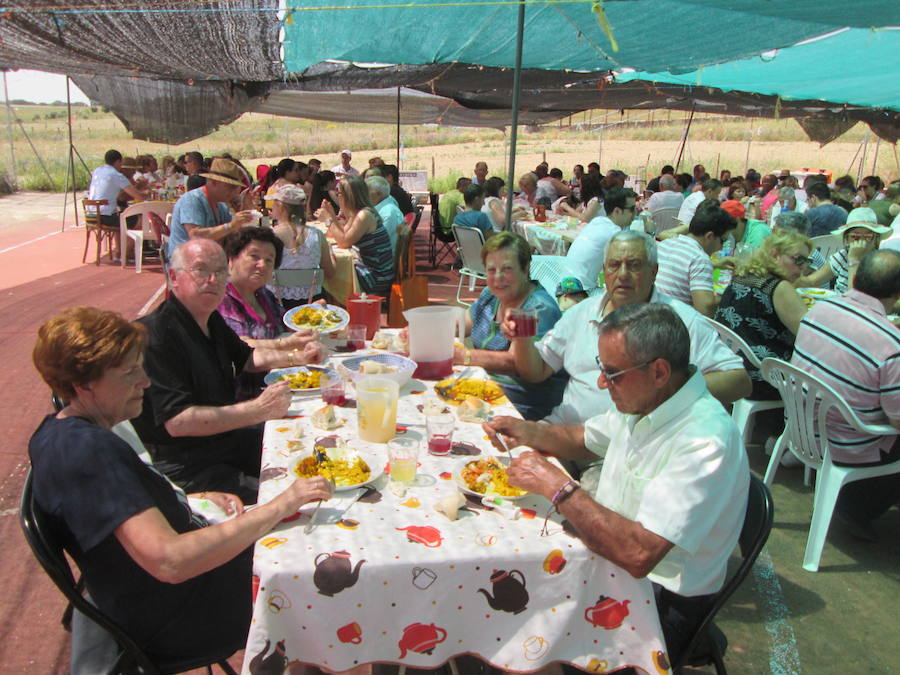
<point>509,592</point>
<point>607,613</point>
<point>421,638</point>
<point>334,573</point>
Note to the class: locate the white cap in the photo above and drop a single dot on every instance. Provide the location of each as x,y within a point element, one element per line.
<point>346,152</point>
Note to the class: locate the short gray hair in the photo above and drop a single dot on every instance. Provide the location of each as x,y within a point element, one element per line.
<point>378,185</point>
<point>176,262</point>
<point>786,192</point>
<point>636,235</point>
<point>651,331</point>
<point>792,220</point>
<point>667,182</point>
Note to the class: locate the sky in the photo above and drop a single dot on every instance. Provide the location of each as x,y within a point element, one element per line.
<point>38,87</point>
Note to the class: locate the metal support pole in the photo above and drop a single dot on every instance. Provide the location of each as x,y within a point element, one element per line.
<point>398,128</point>
<point>71,168</point>
<point>13,173</point>
<point>687,131</point>
<point>517,83</point>
<point>875,157</point>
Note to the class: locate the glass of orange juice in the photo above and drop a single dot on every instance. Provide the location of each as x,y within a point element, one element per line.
<point>376,407</point>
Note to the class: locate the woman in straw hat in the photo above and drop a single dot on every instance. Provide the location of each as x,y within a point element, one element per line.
<point>862,234</point>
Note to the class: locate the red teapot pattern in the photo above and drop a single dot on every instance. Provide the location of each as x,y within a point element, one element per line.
<point>607,613</point>
<point>421,638</point>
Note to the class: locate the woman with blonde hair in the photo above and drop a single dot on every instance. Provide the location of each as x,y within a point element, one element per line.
<point>762,305</point>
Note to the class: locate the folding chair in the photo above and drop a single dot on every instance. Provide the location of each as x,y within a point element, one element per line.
<point>94,227</point>
<point>469,242</point>
<point>309,279</point>
<point>709,643</point>
<point>807,403</point>
<point>440,243</point>
<point>743,409</point>
<point>44,541</point>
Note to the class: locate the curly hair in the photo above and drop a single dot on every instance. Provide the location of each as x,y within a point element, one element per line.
<point>78,345</point>
<point>236,242</point>
<point>762,263</point>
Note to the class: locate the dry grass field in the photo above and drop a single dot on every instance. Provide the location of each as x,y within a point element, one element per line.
<point>635,147</point>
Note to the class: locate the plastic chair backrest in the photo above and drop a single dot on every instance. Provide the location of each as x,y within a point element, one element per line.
<point>827,244</point>
<point>161,209</point>
<point>754,533</point>
<point>299,278</point>
<point>666,218</point>
<point>469,242</point>
<point>548,271</point>
<point>734,342</point>
<point>43,539</point>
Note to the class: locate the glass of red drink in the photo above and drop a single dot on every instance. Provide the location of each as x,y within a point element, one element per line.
<point>356,336</point>
<point>526,321</point>
<point>439,431</point>
<point>332,389</point>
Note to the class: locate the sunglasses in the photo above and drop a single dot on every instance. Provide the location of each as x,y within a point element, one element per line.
<point>801,260</point>
<point>612,374</point>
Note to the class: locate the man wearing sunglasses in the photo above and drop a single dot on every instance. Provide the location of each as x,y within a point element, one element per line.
<point>672,493</point>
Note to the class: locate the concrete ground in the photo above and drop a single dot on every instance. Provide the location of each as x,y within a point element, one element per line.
<point>782,620</point>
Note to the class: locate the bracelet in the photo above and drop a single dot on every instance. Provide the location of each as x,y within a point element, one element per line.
<point>291,357</point>
<point>467,357</point>
<point>566,491</point>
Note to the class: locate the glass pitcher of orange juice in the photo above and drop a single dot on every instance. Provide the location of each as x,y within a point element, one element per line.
<point>376,408</point>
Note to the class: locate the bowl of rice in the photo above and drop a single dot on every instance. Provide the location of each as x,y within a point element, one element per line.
<point>391,366</point>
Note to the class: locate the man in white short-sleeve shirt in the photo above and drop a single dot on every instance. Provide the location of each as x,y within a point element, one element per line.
<point>630,271</point>
<point>107,182</point>
<point>585,257</point>
<point>672,494</point>
<point>711,189</point>
<point>685,267</point>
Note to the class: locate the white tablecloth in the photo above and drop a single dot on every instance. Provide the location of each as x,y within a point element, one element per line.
<point>551,238</point>
<point>395,581</point>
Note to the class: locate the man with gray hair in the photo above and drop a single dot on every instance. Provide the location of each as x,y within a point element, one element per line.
<point>668,197</point>
<point>672,493</point>
<point>391,215</point>
<point>191,424</point>
<point>850,344</point>
<point>630,267</point>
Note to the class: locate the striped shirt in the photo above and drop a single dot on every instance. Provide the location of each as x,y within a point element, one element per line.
<point>849,344</point>
<point>841,268</point>
<point>683,267</point>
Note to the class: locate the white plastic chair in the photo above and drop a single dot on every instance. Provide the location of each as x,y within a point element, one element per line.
<point>162,209</point>
<point>827,244</point>
<point>665,219</point>
<point>743,409</point>
<point>549,270</point>
<point>309,279</point>
<point>469,241</point>
<point>807,402</point>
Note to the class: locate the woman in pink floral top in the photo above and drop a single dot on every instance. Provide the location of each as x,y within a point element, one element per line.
<point>249,308</point>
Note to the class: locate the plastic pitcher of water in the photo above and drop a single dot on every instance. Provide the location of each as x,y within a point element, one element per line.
<point>376,407</point>
<point>432,330</point>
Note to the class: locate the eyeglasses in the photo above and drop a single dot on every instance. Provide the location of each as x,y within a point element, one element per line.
<point>613,266</point>
<point>801,260</point>
<point>611,375</point>
<point>201,273</point>
<point>861,237</point>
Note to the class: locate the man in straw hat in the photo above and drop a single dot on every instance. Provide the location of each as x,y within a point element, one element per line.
<point>203,212</point>
<point>862,234</point>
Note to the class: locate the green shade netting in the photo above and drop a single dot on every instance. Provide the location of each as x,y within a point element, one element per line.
<point>857,66</point>
<point>652,35</point>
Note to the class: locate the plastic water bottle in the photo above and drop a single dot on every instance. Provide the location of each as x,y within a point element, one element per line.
<point>785,206</point>
<point>724,277</point>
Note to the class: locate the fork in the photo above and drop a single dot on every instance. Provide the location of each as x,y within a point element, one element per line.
<point>446,389</point>
<point>321,459</point>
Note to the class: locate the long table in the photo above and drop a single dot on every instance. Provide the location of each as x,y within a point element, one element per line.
<point>344,282</point>
<point>394,581</point>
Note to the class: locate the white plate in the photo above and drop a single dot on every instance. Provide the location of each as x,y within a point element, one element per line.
<point>274,375</point>
<point>816,293</point>
<point>374,458</point>
<point>461,484</point>
<point>345,318</point>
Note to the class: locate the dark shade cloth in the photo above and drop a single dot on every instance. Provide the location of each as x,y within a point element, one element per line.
<point>748,308</point>
<point>89,481</point>
<point>187,369</point>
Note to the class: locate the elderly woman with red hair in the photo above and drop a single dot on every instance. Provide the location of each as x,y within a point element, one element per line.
<point>179,588</point>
